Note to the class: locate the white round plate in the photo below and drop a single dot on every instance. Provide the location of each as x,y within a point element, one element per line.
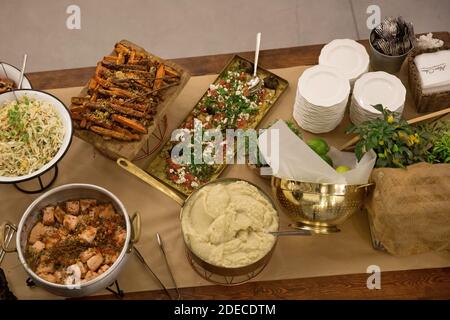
<point>350,57</point>
<point>10,72</point>
<point>317,119</point>
<point>323,86</point>
<point>63,113</point>
<point>379,88</point>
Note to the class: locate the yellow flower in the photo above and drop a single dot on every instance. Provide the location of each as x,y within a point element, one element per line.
<point>413,138</point>
<point>381,142</point>
<point>390,119</point>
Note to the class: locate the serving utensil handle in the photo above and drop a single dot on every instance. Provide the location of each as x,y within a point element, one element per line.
<point>142,260</point>
<point>144,176</point>
<point>292,233</point>
<point>22,71</point>
<point>258,43</point>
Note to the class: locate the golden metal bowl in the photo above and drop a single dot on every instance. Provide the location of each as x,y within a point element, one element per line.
<point>257,171</point>
<point>318,207</point>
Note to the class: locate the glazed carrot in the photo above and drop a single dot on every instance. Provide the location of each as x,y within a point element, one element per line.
<point>129,123</point>
<point>77,109</point>
<point>170,71</point>
<point>160,73</point>
<point>92,84</point>
<point>113,134</point>
<point>110,58</point>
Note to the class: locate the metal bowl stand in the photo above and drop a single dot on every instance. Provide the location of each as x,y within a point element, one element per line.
<point>42,186</point>
<point>222,280</point>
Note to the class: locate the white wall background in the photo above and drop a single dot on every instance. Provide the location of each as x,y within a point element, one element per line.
<point>183,28</point>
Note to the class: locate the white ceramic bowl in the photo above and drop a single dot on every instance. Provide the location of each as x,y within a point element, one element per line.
<point>10,72</point>
<point>63,113</point>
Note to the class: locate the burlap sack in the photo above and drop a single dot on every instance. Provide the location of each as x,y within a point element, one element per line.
<point>409,209</point>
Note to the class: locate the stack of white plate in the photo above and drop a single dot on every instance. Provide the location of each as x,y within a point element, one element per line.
<point>376,88</point>
<point>322,95</point>
<point>350,57</point>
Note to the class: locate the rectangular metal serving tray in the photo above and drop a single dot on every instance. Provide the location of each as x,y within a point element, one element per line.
<point>156,167</point>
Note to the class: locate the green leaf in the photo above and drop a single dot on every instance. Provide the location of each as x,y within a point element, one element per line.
<point>395,148</point>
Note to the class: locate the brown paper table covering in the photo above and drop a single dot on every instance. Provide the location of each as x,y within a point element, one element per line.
<point>347,252</point>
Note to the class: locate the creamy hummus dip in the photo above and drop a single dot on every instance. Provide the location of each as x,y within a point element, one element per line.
<point>227,224</point>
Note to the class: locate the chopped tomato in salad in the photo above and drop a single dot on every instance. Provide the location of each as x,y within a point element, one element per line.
<point>227,104</point>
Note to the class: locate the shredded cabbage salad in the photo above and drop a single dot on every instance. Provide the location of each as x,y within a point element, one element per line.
<point>31,133</point>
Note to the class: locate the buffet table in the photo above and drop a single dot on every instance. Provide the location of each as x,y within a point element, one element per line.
<point>322,270</point>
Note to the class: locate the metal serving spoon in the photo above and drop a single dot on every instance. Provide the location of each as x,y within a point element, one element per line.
<point>255,82</point>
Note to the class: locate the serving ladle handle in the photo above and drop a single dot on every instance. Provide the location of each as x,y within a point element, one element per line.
<point>258,45</point>
<point>291,233</point>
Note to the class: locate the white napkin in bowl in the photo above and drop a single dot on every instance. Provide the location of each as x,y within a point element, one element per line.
<point>434,71</point>
<point>291,158</point>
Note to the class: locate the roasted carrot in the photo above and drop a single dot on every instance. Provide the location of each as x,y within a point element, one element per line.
<point>114,134</point>
<point>92,84</point>
<point>129,123</point>
<point>171,72</point>
<point>160,73</point>
<point>83,123</point>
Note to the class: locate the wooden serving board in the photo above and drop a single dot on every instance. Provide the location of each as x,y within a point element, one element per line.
<point>157,166</point>
<point>115,149</point>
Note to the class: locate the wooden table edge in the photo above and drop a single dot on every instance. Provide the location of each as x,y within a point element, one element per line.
<point>407,284</point>
<point>212,64</point>
<point>403,285</point>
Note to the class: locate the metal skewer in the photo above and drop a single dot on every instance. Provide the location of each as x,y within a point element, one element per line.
<point>141,258</point>
<point>161,246</point>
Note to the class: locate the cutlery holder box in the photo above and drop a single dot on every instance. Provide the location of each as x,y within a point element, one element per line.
<point>430,102</point>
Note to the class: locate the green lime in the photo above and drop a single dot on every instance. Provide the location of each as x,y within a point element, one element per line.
<point>342,169</point>
<point>327,159</point>
<point>319,145</point>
